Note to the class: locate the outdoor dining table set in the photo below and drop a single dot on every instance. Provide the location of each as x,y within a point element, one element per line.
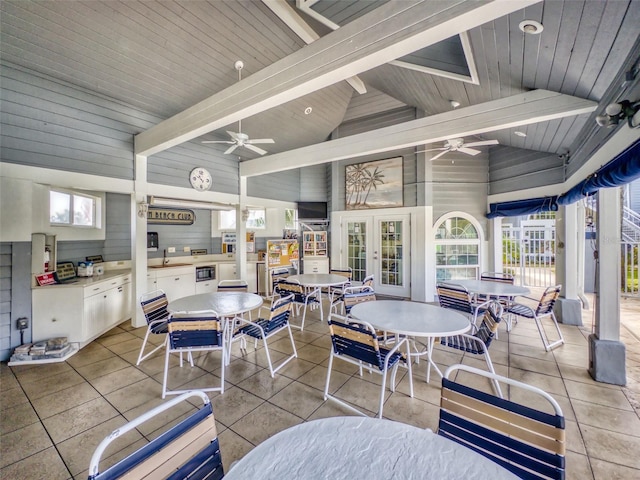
<point>480,435</point>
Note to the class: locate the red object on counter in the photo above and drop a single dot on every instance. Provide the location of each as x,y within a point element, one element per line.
<point>46,279</point>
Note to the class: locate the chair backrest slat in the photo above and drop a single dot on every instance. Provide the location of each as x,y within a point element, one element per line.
<point>368,281</point>
<point>186,449</point>
<point>355,340</point>
<point>354,295</point>
<point>525,441</point>
<point>345,272</point>
<point>455,297</point>
<point>548,300</point>
<point>490,323</point>
<point>497,277</point>
<point>189,330</point>
<point>233,286</point>
<point>280,312</point>
<point>155,307</point>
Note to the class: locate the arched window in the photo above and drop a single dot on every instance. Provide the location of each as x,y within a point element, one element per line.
<point>457,248</point>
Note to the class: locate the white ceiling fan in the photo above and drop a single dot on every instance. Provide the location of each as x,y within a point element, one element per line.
<point>457,144</point>
<point>240,139</point>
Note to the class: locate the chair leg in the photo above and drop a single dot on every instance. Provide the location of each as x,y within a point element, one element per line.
<point>166,371</point>
<point>326,385</point>
<point>144,344</point>
<point>496,384</point>
<point>382,389</point>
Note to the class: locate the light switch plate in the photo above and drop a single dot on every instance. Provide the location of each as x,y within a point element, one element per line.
<point>171,250</point>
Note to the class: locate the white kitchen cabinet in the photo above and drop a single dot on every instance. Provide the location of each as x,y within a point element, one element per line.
<point>315,265</point>
<point>228,271</point>
<point>177,282</point>
<point>81,312</point>
<point>207,286</point>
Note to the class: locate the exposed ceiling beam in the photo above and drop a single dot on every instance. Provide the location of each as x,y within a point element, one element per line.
<point>389,32</point>
<point>296,23</point>
<point>522,109</point>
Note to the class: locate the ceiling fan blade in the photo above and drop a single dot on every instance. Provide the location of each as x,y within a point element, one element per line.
<point>255,149</point>
<point>469,151</point>
<point>231,148</point>
<point>260,140</point>
<point>479,144</point>
<point>440,154</point>
<point>217,141</point>
<point>233,135</point>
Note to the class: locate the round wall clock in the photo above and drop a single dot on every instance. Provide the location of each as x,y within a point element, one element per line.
<point>200,179</point>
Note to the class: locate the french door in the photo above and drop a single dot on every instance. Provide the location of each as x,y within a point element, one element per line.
<point>379,245</point>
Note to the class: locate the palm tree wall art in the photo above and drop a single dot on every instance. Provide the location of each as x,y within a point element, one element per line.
<point>374,184</point>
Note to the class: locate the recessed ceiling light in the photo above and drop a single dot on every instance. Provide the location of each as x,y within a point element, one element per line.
<point>531,26</point>
<point>308,110</point>
<point>519,133</point>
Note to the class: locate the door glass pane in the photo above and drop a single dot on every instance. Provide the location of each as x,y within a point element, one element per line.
<point>356,249</point>
<point>391,261</point>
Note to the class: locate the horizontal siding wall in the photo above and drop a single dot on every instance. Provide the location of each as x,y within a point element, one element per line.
<point>172,167</point>
<point>196,236</point>
<point>313,184</point>
<point>51,124</point>
<point>283,186</point>
<point>459,184</point>
<point>117,243</point>
<point>371,103</point>
<point>373,122</point>
<point>512,169</point>
<point>5,300</point>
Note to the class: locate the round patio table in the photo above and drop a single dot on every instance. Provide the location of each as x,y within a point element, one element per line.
<point>226,304</point>
<point>357,448</point>
<point>413,319</point>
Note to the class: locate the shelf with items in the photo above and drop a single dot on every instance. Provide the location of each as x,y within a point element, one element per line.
<point>314,244</point>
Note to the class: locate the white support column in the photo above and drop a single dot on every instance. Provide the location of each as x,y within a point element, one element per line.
<point>241,231</point>
<point>139,240</point>
<point>606,351</point>
<point>567,309</point>
<point>495,246</point>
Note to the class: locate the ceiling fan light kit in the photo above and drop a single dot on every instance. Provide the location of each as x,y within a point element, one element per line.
<point>240,139</point>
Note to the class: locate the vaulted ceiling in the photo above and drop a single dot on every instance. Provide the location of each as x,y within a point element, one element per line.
<point>165,56</point>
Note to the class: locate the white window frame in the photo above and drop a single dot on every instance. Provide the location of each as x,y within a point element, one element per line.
<point>231,214</point>
<point>459,241</point>
<point>95,222</point>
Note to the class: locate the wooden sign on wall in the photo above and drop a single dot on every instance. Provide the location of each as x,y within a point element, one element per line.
<point>170,216</point>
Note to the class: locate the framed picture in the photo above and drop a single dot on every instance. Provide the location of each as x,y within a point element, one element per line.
<point>375,184</point>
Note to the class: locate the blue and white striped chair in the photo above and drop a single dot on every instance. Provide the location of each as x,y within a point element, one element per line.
<point>189,449</point>
<point>539,312</point>
<point>478,343</point>
<point>190,332</point>
<point>302,298</point>
<point>457,297</point>
<point>528,442</point>
<point>356,342</point>
<point>263,328</point>
<point>154,306</point>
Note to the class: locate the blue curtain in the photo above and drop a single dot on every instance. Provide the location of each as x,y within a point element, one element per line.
<point>523,207</point>
<point>623,169</point>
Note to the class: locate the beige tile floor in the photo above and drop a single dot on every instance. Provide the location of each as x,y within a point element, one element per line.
<point>53,416</point>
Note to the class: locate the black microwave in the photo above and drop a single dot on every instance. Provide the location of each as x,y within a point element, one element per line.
<point>205,273</point>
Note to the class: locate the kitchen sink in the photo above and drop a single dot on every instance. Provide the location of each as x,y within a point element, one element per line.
<point>169,265</point>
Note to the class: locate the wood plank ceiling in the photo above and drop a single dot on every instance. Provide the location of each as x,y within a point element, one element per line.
<point>165,56</point>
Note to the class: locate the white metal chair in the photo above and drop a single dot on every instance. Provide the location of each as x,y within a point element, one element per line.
<point>543,310</point>
<point>154,306</point>
<point>457,297</point>
<point>478,343</point>
<point>189,449</point>
<point>190,332</point>
<point>356,342</point>
<point>233,286</point>
<point>346,272</point>
<point>302,298</point>
<point>264,328</point>
<point>528,442</point>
